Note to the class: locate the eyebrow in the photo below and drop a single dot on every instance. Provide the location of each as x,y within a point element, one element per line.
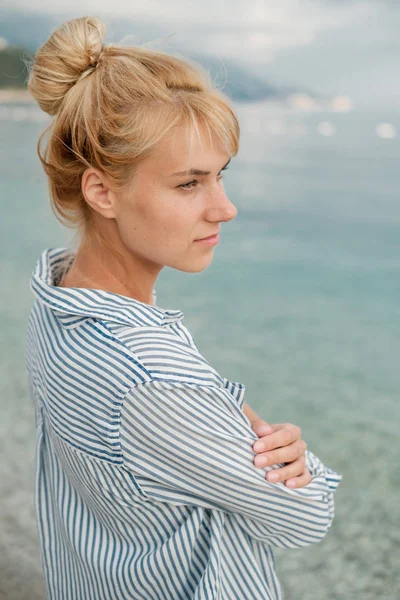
<point>196,171</point>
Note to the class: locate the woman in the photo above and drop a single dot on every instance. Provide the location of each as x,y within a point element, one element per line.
<point>146,486</point>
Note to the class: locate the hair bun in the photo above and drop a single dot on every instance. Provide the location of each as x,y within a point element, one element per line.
<point>70,53</point>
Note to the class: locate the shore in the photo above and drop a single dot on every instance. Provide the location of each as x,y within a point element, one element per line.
<point>15,95</point>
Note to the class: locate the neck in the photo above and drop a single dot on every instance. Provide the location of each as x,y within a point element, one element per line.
<point>126,275</point>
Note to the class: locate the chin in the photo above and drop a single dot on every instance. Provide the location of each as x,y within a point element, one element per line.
<point>195,266</point>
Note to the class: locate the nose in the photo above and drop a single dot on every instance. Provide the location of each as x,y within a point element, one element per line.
<point>221,209</point>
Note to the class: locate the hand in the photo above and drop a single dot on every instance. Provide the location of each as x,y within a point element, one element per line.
<point>282,445</point>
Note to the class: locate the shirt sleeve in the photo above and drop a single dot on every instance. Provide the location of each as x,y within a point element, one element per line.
<point>322,476</point>
<point>192,444</point>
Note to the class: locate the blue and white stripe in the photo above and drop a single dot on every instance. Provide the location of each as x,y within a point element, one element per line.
<point>145,485</point>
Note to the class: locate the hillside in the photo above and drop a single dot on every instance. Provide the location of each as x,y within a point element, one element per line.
<point>24,32</point>
<point>234,80</point>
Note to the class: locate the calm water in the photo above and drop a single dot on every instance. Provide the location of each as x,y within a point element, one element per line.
<point>301,304</point>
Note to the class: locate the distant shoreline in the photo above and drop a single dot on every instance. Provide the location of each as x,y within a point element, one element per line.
<point>15,95</point>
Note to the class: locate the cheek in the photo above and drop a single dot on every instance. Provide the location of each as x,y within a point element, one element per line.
<point>158,222</point>
<point>170,217</point>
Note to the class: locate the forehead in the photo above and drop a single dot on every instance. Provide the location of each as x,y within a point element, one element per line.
<point>183,149</point>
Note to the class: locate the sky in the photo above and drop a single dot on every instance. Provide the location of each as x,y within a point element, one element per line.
<point>349,47</point>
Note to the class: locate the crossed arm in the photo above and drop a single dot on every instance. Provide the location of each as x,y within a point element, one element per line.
<point>283,444</point>
<point>201,457</point>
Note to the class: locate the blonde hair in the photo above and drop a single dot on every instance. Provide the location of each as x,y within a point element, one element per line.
<point>111,105</point>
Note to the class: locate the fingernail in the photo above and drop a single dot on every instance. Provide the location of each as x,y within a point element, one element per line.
<point>260,461</point>
<point>259,447</point>
<point>272,476</point>
<point>264,429</point>
<point>291,484</point>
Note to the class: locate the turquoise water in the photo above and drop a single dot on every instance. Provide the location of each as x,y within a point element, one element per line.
<point>301,304</point>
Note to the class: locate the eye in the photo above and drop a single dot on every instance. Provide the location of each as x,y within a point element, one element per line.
<point>183,186</point>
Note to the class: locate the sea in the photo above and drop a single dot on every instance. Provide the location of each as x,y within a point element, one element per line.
<point>301,304</point>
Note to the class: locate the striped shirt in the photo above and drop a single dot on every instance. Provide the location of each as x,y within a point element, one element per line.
<point>145,485</point>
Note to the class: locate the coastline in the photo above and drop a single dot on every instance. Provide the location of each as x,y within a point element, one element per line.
<point>15,96</point>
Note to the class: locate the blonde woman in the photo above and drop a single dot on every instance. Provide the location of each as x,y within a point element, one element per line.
<point>147,478</point>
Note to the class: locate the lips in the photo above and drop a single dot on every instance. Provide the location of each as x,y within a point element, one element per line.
<point>208,237</point>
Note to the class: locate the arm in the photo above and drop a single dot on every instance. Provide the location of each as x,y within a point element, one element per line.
<point>319,473</point>
<point>203,456</point>
<point>314,466</point>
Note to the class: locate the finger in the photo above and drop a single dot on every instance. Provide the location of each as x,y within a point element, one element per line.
<point>278,426</point>
<point>281,455</point>
<point>261,427</point>
<point>279,438</point>
<point>294,469</point>
<point>300,481</point>
<point>256,425</point>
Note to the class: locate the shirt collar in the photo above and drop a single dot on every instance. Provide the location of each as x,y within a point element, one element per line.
<point>73,305</point>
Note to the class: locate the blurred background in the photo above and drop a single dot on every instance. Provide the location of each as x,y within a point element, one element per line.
<point>301,302</point>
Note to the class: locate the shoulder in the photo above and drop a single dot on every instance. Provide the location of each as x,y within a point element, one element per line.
<point>168,357</point>
<point>166,353</point>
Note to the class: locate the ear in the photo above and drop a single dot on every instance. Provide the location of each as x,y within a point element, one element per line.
<point>97,192</point>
